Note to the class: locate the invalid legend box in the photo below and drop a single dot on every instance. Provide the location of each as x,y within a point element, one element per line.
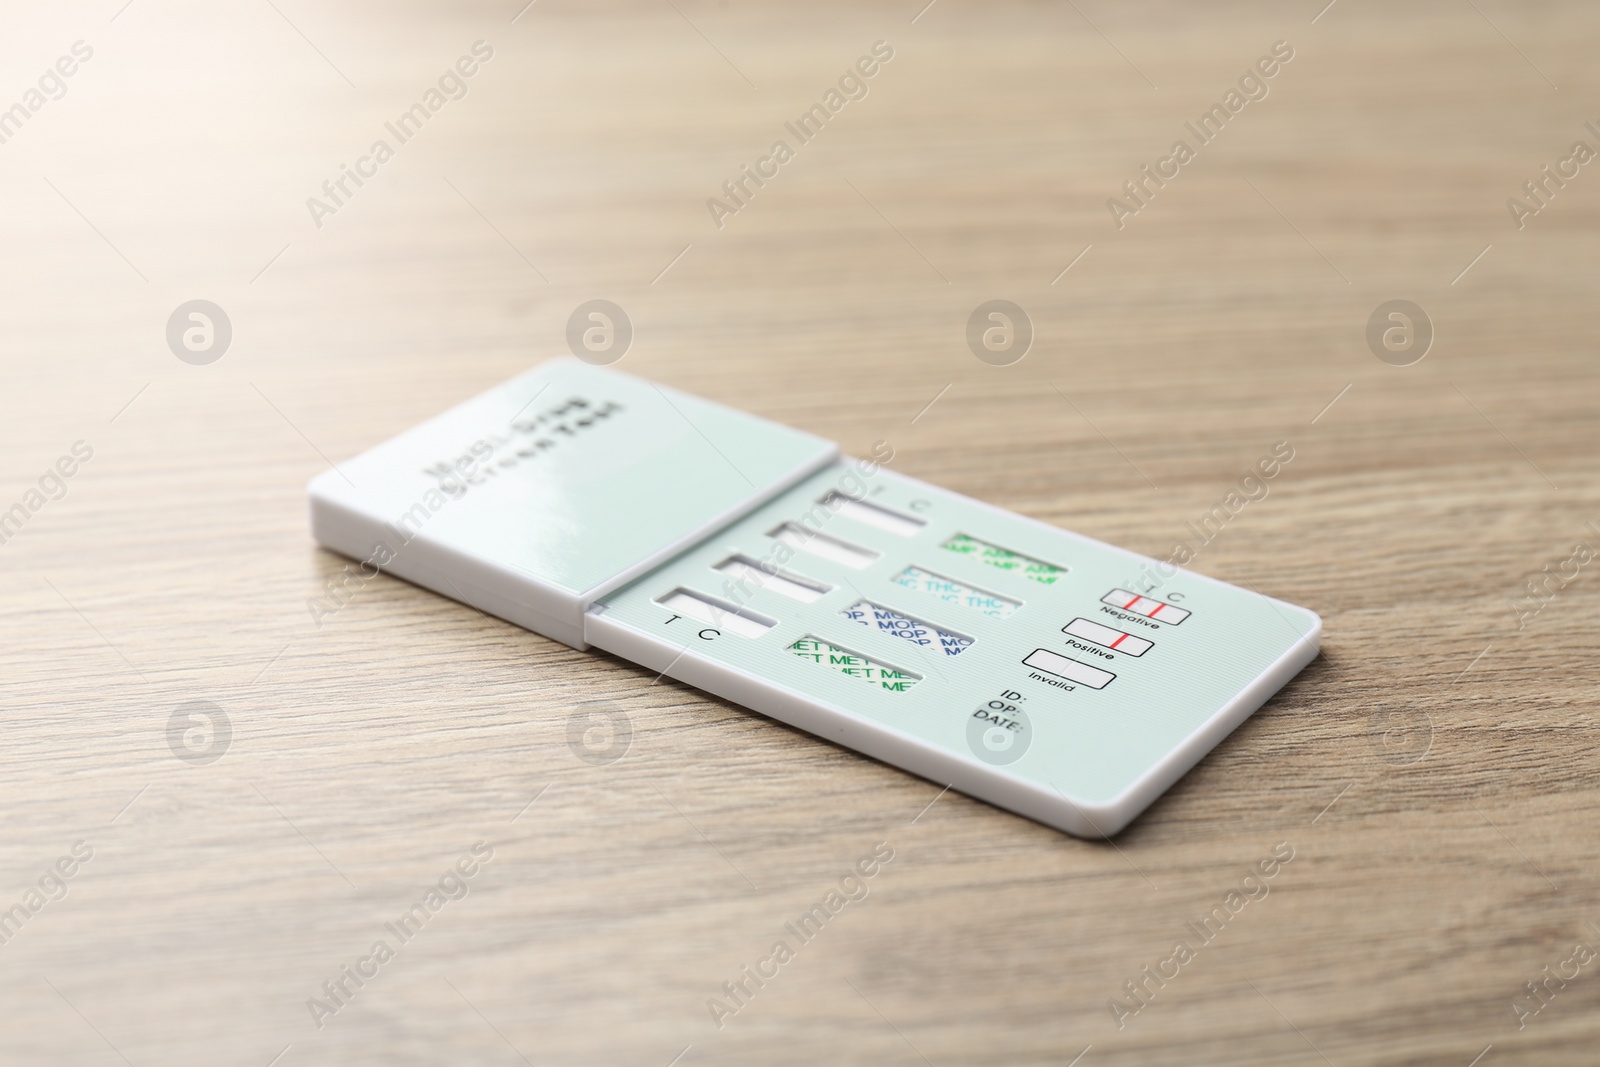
<point>1070,669</point>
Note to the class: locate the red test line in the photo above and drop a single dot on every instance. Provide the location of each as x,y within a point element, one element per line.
<point>1118,641</point>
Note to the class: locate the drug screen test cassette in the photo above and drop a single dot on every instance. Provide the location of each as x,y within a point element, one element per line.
<point>1011,660</point>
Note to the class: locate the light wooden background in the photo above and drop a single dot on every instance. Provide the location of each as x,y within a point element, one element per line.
<point>1436,770</point>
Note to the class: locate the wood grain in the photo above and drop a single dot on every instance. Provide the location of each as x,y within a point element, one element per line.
<point>1435,771</point>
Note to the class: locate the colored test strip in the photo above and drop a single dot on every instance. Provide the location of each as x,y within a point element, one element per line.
<point>1004,559</point>
<point>1105,635</point>
<point>1159,610</point>
<point>854,664</point>
<point>1070,669</point>
<point>906,628</point>
<point>953,592</point>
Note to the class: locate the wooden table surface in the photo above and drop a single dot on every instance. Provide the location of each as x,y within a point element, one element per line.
<point>1434,774</point>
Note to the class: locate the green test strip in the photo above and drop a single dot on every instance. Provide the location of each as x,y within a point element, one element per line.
<point>853,664</point>
<point>1004,559</point>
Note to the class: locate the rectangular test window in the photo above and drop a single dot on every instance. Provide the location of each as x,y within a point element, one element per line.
<point>953,592</point>
<point>870,514</point>
<point>913,631</point>
<point>830,548</point>
<point>734,620</point>
<point>854,664</point>
<point>744,569</point>
<point>1004,559</point>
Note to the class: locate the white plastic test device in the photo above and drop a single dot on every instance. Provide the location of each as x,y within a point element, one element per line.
<point>1009,659</point>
